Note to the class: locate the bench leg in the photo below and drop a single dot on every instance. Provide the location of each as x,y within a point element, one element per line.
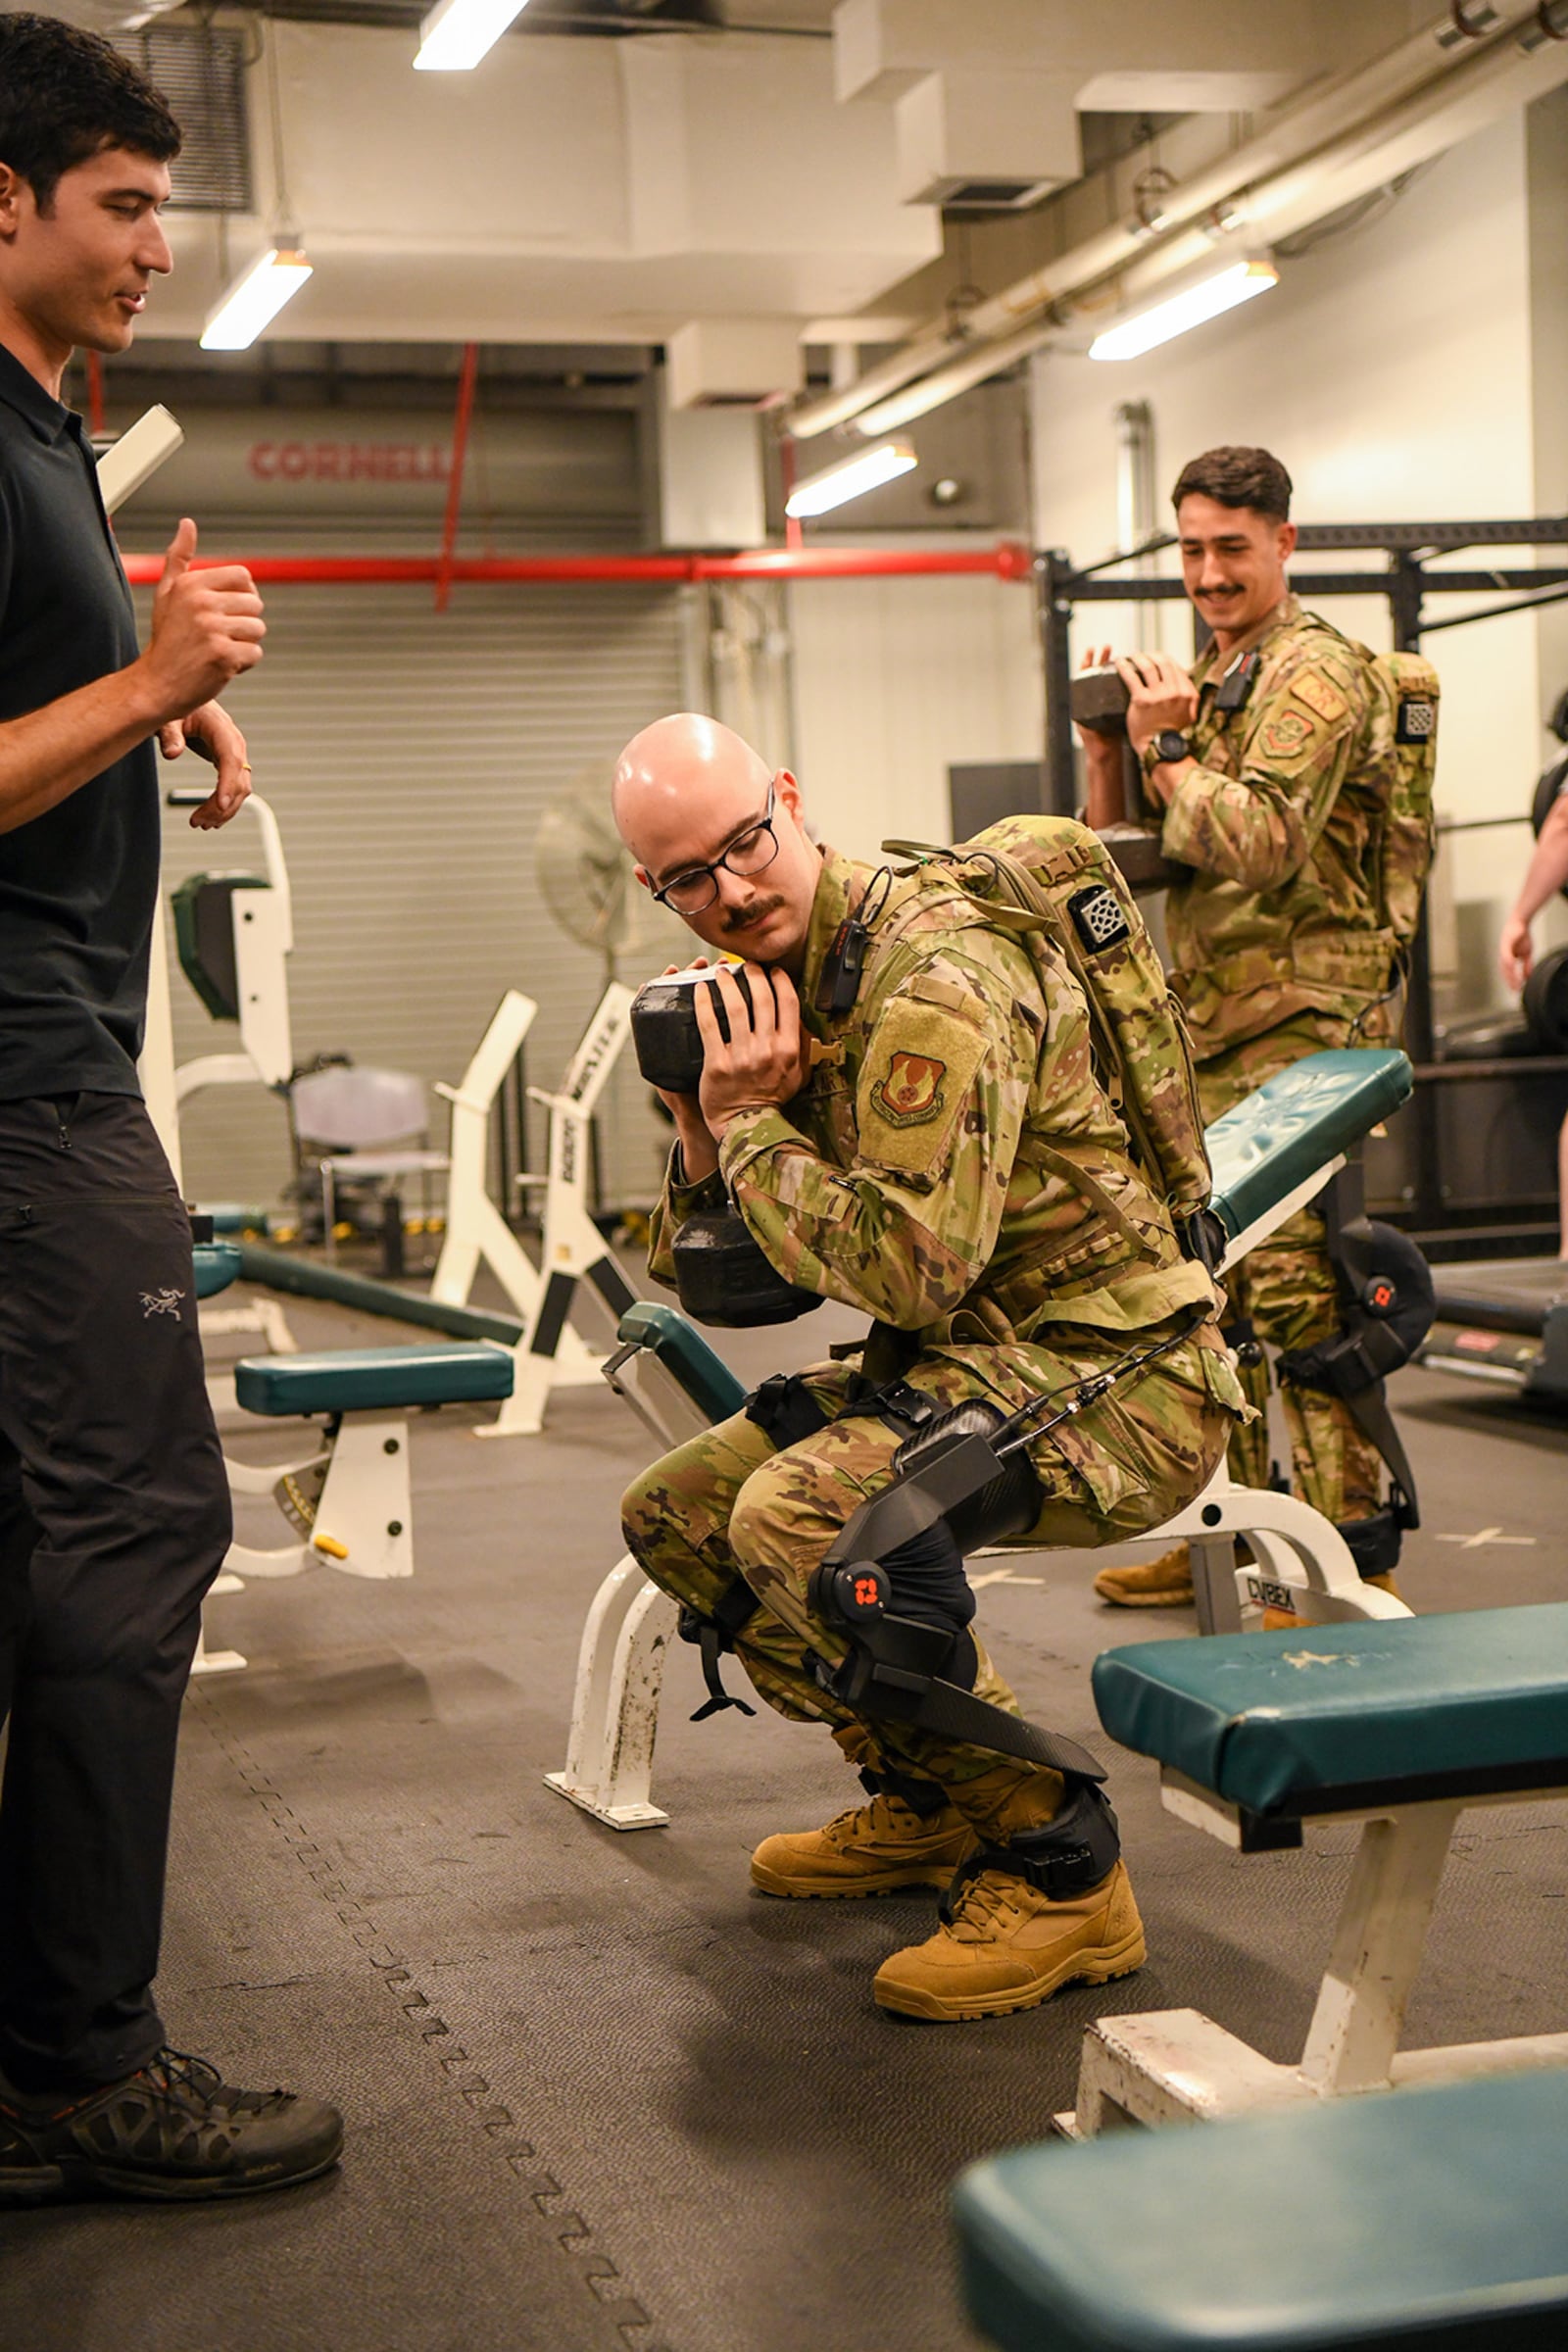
<point>615,1709</point>
<point>365,1519</point>
<point>1377,1949</point>
<point>216,1661</point>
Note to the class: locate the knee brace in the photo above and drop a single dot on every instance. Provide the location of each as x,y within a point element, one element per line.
<point>894,1581</point>
<point>1062,1860</point>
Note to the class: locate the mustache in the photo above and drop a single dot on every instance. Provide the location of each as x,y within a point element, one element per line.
<point>742,918</point>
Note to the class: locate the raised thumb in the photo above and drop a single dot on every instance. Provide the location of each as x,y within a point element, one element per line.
<point>181,548</point>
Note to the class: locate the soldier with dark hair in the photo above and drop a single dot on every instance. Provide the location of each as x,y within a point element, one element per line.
<point>1268,763</point>
<point>909,1119</point>
<point>114,1501</point>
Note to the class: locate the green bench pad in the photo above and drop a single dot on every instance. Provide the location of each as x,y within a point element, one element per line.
<point>217,1266</point>
<point>1322,1720</point>
<point>685,1354</point>
<point>363,1380</point>
<point>1427,2220</point>
<point>1311,1112</point>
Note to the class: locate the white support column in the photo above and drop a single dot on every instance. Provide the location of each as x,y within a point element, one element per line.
<point>1377,1949</point>
<point>615,1712</point>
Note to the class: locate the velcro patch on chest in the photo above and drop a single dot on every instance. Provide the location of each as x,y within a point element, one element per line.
<point>1098,917</point>
<point>1319,693</point>
<point>914,1082</point>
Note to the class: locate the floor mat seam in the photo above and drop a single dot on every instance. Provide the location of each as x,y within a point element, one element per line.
<point>573,2234</point>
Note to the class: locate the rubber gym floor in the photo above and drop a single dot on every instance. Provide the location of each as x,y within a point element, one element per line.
<point>600,2094</point>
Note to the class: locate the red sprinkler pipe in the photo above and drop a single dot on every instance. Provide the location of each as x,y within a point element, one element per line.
<point>1007,559</point>
<point>459,449</point>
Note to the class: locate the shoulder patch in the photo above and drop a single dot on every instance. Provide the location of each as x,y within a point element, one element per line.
<point>914,1082</point>
<point>1319,693</point>
<point>1284,735</point>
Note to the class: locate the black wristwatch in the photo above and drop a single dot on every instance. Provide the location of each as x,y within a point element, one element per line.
<point>1168,744</point>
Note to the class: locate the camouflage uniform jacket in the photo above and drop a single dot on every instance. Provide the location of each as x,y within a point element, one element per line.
<point>1281,819</point>
<point>955,1168</point>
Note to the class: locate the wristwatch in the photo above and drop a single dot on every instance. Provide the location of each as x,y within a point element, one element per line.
<point>1168,744</point>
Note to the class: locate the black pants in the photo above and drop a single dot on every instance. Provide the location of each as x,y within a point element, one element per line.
<point>113,1520</point>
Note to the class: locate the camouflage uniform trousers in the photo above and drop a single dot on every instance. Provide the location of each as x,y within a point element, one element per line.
<point>729,1504</point>
<point>1286,1290</point>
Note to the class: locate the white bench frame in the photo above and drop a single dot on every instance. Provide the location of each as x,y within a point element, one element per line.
<point>1303,1563</point>
<point>1176,2065</point>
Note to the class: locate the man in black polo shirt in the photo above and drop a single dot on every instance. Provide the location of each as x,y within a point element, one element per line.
<point>113,1505</point>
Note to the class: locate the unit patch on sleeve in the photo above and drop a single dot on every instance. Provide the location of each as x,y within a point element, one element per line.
<point>1285,734</point>
<point>914,1082</point>
<point>1319,693</point>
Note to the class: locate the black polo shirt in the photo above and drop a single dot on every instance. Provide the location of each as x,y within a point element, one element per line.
<point>78,885</point>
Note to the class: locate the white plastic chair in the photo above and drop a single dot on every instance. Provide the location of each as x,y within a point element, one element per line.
<point>348,1118</point>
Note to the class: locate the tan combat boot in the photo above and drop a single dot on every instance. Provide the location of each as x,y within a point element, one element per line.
<point>1162,1584</point>
<point>873,1850</point>
<point>1003,1942</point>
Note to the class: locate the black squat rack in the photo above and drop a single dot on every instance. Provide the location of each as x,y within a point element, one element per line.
<point>1406,579</point>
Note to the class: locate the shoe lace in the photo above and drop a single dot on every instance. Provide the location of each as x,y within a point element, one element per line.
<point>975,1905</point>
<point>196,2084</point>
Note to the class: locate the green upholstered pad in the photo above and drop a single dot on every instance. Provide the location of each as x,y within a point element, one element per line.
<point>685,1354</point>
<point>1418,2220</point>
<point>1317,1109</point>
<point>363,1380</point>
<point>217,1266</point>
<point>1295,1722</point>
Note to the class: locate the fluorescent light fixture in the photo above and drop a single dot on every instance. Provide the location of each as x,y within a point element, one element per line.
<point>455,35</point>
<point>851,477</point>
<point>254,300</point>
<point>1221,291</point>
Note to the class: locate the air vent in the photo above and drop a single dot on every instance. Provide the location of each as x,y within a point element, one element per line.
<point>985,195</point>
<point>200,72</point>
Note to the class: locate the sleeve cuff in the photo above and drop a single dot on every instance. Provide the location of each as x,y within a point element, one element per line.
<point>749,1135</point>
<point>689,1200</point>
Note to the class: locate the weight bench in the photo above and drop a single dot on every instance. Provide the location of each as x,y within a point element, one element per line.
<point>1270,1156</point>
<point>1398,1726</point>
<point>348,1499</point>
<point>1431,2222</point>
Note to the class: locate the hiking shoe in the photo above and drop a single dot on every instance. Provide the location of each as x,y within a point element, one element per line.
<point>1162,1584</point>
<point>873,1850</point>
<point>1004,1946</point>
<point>174,2130</point>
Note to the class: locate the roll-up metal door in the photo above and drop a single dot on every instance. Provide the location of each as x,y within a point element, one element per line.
<point>409,756</point>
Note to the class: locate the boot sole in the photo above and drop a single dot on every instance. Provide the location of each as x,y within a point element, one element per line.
<point>56,2184</point>
<point>1146,1601</point>
<point>1084,1968</point>
<point>893,1883</point>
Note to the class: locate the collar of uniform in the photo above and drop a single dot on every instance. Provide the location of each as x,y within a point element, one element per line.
<point>21,390</point>
<point>838,891</point>
<point>1288,609</point>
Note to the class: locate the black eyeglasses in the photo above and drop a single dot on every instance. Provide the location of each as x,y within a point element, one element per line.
<point>750,852</point>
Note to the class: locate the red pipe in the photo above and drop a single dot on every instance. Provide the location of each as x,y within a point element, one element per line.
<point>1007,559</point>
<point>459,449</point>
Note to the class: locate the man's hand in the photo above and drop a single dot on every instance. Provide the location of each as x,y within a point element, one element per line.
<point>1161,694</point>
<point>768,1058</point>
<point>1516,953</point>
<point>212,734</point>
<point>206,628</point>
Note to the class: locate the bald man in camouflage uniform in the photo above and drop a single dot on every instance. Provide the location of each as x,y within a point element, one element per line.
<point>1278,948</point>
<point>941,1156</point>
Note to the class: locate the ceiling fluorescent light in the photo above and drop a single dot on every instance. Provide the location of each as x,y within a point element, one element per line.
<point>851,477</point>
<point>254,300</point>
<point>1221,291</point>
<point>455,35</point>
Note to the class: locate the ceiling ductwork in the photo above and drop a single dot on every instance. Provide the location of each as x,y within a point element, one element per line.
<point>1352,135</point>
